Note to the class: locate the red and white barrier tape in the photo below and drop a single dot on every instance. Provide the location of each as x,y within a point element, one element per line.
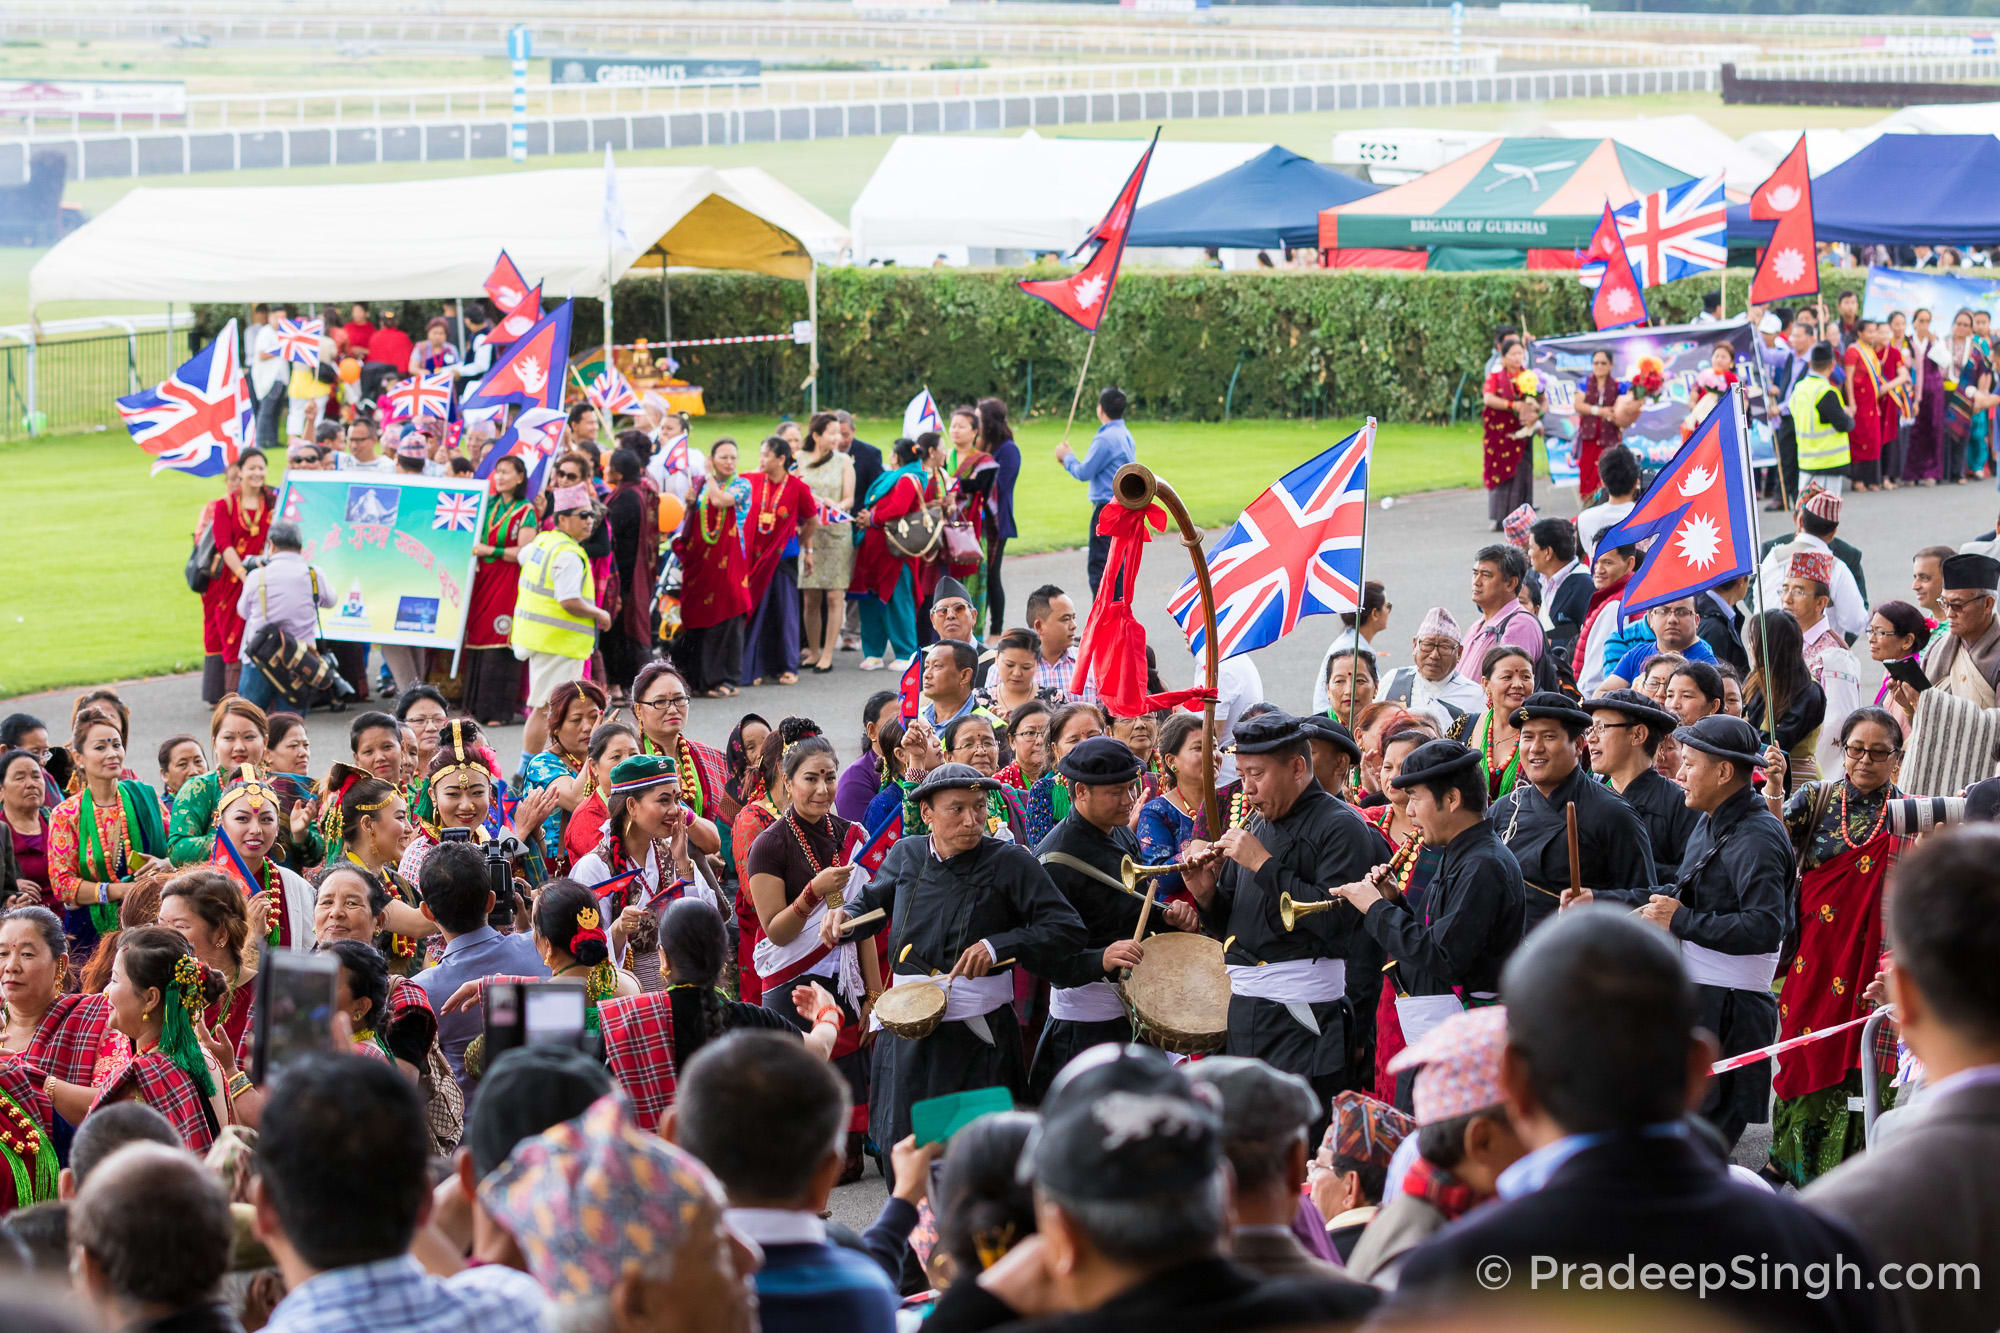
<point>711,342</point>
<point>1805,1039</point>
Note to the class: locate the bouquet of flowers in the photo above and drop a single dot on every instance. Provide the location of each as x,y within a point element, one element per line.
<point>1649,380</point>
<point>1529,385</point>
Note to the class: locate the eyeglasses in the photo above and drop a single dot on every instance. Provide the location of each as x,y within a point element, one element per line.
<point>1599,728</point>
<point>1032,734</point>
<point>676,702</point>
<point>1428,646</point>
<point>1954,605</point>
<point>1875,753</point>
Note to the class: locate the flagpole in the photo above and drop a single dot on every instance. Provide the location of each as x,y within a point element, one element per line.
<point>1361,575</point>
<point>1077,397</point>
<point>1756,564</point>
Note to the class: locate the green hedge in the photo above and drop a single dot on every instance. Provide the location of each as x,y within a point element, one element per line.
<point>1184,345</point>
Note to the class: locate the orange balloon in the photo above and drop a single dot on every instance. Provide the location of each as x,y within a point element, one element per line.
<point>350,370</point>
<point>672,511</point>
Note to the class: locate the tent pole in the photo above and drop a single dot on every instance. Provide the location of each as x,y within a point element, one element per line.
<point>603,417</point>
<point>812,317</point>
<point>666,305</point>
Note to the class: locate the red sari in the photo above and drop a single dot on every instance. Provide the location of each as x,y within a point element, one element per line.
<point>775,511</point>
<point>242,532</point>
<point>1595,434</point>
<point>876,566</point>
<point>1893,401</point>
<point>1864,382</point>
<point>715,575</point>
<point>1840,947</point>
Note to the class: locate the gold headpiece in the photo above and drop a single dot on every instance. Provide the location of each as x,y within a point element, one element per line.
<point>463,759</point>
<point>248,786</point>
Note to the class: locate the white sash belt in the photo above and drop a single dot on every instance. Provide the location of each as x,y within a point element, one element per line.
<point>1097,1002</point>
<point>1302,980</point>
<point>1418,1014</point>
<point>1732,971</point>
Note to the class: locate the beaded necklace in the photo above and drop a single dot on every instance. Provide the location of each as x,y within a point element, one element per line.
<point>798,831</point>
<point>708,537</point>
<point>31,1159</point>
<point>1497,778</point>
<point>1874,831</point>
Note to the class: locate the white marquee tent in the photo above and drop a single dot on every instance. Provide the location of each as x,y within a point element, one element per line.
<point>1687,142</point>
<point>972,198</point>
<point>1825,149</point>
<point>1947,118</point>
<point>429,239</point>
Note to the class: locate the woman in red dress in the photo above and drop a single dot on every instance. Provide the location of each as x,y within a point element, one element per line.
<point>242,521</point>
<point>715,585</point>
<point>1508,457</point>
<point>493,677</point>
<point>1596,430</point>
<point>783,518</point>
<point>890,586</point>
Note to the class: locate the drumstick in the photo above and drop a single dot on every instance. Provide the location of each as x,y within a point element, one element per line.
<point>1145,909</point>
<point>864,919</point>
<point>1575,867</point>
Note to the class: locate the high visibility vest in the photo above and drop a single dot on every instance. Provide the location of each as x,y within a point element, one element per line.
<point>1820,446</point>
<point>541,624</point>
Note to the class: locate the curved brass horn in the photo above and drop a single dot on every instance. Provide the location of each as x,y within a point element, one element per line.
<point>1289,912</point>
<point>1131,872</point>
<point>1134,486</point>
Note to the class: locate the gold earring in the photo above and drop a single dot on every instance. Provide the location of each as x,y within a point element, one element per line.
<point>145,1015</point>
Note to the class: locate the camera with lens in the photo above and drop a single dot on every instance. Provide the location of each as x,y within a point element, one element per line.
<point>500,854</point>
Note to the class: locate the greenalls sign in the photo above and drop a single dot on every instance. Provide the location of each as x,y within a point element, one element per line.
<point>640,71</point>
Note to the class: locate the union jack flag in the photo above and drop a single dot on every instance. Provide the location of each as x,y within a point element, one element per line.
<point>610,392</point>
<point>456,510</point>
<point>423,396</point>
<point>300,341</point>
<point>1296,552</point>
<point>872,853</point>
<point>1676,231</point>
<point>830,513</point>
<point>201,418</point>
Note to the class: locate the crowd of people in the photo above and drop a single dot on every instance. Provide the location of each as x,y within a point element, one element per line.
<point>746,568</point>
<point>1852,403</point>
<point>1487,924</point>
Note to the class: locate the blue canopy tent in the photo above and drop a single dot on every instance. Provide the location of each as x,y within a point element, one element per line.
<point>1902,189</point>
<point>1272,200</point>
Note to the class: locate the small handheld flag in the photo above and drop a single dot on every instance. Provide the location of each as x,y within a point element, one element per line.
<point>423,396</point>
<point>921,415</point>
<point>831,513</point>
<point>533,438</point>
<point>299,342</point>
<point>610,392</point>
<point>910,690</point>
<point>1296,552</point>
<point>675,459</point>
<point>881,838</point>
<point>1082,296</point>
<point>225,856</point>
<point>1789,266</point>
<point>201,417</point>
<point>1700,514</point>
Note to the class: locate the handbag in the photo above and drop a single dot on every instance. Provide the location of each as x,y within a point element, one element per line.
<point>204,562</point>
<point>961,545</point>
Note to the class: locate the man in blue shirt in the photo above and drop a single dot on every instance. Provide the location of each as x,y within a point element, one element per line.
<point>769,1118</point>
<point>1110,449</point>
<point>458,895</point>
<point>1676,628</point>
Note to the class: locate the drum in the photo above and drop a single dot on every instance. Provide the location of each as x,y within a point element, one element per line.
<point>1178,995</point>
<point>912,1010</point>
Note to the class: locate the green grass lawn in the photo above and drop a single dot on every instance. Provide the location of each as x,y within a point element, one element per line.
<point>106,600</point>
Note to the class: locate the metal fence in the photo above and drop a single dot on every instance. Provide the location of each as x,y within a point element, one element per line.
<point>91,156</point>
<point>376,106</point>
<point>77,380</point>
